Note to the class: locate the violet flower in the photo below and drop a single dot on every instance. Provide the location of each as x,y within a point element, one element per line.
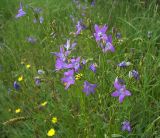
<point>62,55</point>
<point>126,126</point>
<point>37,81</point>
<point>93,67</point>
<point>108,45</point>
<point>68,79</point>
<point>100,32</point>
<point>75,64</point>
<point>89,88</point>
<point>20,12</point>
<point>79,28</point>
<point>41,19</point>
<point>31,40</point>
<point>16,85</point>
<point>134,74</point>
<point>93,3</point>
<point>124,64</point>
<point>118,35</point>
<point>121,90</point>
<point>60,64</point>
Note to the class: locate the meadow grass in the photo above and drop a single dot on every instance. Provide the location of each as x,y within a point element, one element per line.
<point>79,116</point>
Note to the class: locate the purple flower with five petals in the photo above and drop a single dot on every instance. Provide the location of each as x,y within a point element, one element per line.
<point>100,32</point>
<point>121,90</point>
<point>126,126</point>
<point>108,45</point>
<point>75,63</point>
<point>68,79</point>
<point>20,12</point>
<point>93,67</point>
<point>89,88</point>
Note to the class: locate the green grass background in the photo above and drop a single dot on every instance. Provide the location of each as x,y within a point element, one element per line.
<point>79,116</point>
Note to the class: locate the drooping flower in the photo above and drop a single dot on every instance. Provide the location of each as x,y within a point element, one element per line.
<point>79,28</point>
<point>31,40</point>
<point>54,120</point>
<point>51,132</point>
<point>20,12</point>
<point>41,19</point>
<point>93,2</point>
<point>108,46</point>
<point>84,61</point>
<point>134,74</point>
<point>124,64</point>
<point>118,35</point>
<point>89,88</point>
<point>16,85</point>
<point>93,67</point>
<point>126,126</point>
<point>68,79</point>
<point>69,46</point>
<point>121,90</point>
<point>75,63</point>
<point>37,81</point>
<point>40,72</point>
<point>100,32</point>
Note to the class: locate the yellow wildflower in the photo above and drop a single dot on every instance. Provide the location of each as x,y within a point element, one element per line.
<point>20,78</point>
<point>51,132</point>
<point>78,76</point>
<point>54,120</point>
<point>28,66</point>
<point>18,110</point>
<point>44,103</point>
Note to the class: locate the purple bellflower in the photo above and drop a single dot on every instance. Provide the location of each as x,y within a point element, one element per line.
<point>121,90</point>
<point>68,79</point>
<point>41,19</point>
<point>60,64</point>
<point>20,12</point>
<point>134,74</point>
<point>108,45</point>
<point>124,64</point>
<point>126,126</point>
<point>75,64</point>
<point>79,28</point>
<point>16,85</point>
<point>89,88</point>
<point>93,67</point>
<point>31,40</point>
<point>100,32</point>
<point>62,55</point>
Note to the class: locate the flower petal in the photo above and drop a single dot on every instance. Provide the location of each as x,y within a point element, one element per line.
<point>115,94</point>
<point>121,98</point>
